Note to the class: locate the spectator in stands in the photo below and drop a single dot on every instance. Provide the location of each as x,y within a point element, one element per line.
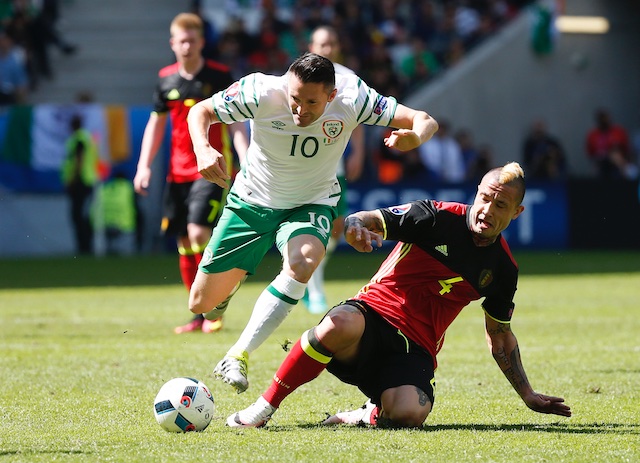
<point>378,70</point>
<point>420,65</point>
<point>41,23</point>
<point>466,19</point>
<point>482,164</point>
<point>19,26</point>
<point>268,57</point>
<point>442,156</point>
<point>234,46</point>
<point>424,20</point>
<point>608,147</point>
<point>448,29</point>
<point>470,153</point>
<point>79,175</point>
<point>14,83</point>
<point>444,34</point>
<point>543,155</point>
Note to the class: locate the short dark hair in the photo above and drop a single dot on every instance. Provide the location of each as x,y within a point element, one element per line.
<point>316,69</point>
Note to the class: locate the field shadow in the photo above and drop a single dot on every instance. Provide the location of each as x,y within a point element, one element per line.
<point>559,428</point>
<point>555,428</point>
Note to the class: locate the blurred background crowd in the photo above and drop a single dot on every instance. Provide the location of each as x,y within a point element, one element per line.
<point>396,46</point>
<point>401,48</point>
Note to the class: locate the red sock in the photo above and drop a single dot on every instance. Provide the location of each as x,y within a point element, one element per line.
<point>188,268</point>
<point>304,363</point>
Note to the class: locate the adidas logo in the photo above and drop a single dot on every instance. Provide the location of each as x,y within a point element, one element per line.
<point>442,249</point>
<point>200,408</point>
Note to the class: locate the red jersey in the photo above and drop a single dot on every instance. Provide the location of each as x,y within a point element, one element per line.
<point>436,270</point>
<point>176,95</point>
<point>600,143</point>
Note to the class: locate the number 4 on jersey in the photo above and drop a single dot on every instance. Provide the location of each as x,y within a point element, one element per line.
<point>447,285</point>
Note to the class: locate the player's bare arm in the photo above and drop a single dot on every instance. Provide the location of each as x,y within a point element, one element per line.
<point>151,142</point>
<point>414,128</point>
<point>363,228</point>
<point>505,351</point>
<point>211,163</point>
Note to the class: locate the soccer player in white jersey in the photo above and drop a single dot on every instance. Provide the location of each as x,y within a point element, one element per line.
<point>286,192</point>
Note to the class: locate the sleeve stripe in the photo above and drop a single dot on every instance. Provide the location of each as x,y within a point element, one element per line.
<point>364,106</point>
<point>240,110</point>
<point>507,322</point>
<point>229,113</point>
<point>244,101</point>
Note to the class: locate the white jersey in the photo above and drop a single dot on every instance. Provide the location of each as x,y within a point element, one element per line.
<point>287,166</point>
<point>340,69</point>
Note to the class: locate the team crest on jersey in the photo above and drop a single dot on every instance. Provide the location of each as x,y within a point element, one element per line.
<point>486,277</point>
<point>231,93</point>
<point>332,129</point>
<point>381,105</point>
<point>400,210</point>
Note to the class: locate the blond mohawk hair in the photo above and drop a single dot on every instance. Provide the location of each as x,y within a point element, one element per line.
<point>510,172</point>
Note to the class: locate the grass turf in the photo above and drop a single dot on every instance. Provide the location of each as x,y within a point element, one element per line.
<point>86,344</point>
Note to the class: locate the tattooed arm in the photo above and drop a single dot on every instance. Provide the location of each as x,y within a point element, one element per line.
<point>505,351</point>
<point>362,228</point>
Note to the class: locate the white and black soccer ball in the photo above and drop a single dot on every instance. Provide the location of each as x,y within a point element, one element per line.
<point>183,405</point>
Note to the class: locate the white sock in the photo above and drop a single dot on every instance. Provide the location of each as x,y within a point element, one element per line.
<point>270,310</point>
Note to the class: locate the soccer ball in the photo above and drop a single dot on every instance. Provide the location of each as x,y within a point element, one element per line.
<point>183,405</point>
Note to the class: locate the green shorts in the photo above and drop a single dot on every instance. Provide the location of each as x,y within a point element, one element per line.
<point>245,232</point>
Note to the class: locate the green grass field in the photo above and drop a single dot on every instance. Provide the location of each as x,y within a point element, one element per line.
<point>86,343</point>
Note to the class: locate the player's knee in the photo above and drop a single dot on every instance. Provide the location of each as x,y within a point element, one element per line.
<point>196,305</point>
<point>197,302</point>
<point>302,267</point>
<point>345,323</point>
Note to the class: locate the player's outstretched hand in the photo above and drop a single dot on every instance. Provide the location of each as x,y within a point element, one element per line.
<point>403,140</point>
<point>547,404</point>
<point>360,238</point>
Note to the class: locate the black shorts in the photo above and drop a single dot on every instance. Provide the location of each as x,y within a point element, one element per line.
<point>387,359</point>
<point>198,202</point>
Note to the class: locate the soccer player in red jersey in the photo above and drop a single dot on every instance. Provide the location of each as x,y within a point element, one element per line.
<point>192,205</point>
<point>385,340</point>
